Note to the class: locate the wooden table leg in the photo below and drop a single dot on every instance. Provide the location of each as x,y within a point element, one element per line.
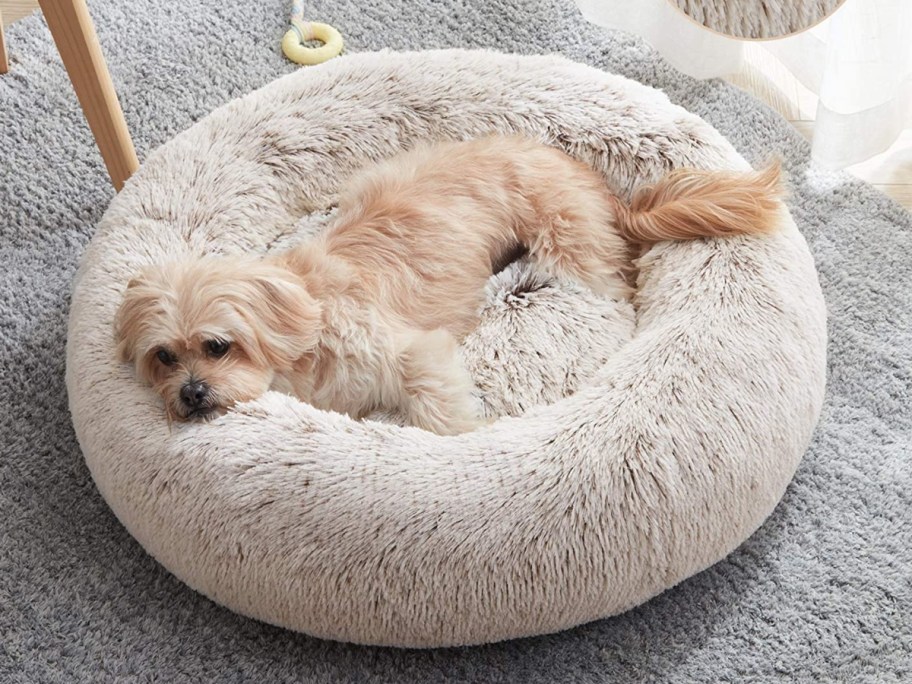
<point>73,32</point>
<point>4,62</point>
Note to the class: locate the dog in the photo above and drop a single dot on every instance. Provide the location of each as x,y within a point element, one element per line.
<point>369,314</point>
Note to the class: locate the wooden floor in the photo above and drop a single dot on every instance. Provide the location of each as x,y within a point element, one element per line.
<point>765,78</point>
<point>16,9</point>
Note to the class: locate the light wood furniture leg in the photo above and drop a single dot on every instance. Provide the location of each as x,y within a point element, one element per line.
<point>73,32</point>
<point>4,62</point>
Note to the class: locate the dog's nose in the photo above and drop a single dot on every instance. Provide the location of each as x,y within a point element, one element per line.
<point>193,394</point>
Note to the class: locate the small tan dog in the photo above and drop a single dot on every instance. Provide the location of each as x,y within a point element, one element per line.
<point>369,314</point>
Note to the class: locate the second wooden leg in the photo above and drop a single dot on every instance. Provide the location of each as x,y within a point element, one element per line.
<point>4,62</point>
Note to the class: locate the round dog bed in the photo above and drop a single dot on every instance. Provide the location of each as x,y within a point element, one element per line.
<point>631,457</point>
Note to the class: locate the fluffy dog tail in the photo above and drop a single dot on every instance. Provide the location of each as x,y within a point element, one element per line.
<point>690,203</point>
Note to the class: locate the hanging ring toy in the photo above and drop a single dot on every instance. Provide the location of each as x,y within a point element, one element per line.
<point>303,31</point>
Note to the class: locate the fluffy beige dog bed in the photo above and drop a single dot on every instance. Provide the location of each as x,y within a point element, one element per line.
<point>647,446</point>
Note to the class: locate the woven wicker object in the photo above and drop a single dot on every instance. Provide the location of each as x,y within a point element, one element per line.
<point>758,19</point>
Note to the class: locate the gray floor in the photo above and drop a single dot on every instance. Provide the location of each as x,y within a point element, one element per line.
<point>820,593</point>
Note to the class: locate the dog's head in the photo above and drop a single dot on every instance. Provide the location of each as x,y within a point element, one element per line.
<point>215,331</point>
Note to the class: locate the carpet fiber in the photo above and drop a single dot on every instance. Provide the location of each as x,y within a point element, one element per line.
<point>820,593</point>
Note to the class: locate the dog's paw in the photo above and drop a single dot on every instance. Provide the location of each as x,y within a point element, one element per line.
<point>454,427</point>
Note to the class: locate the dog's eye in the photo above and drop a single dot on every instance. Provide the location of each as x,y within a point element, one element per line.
<point>165,357</point>
<point>217,347</point>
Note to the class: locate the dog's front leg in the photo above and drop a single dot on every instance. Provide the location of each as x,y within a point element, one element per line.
<point>435,387</point>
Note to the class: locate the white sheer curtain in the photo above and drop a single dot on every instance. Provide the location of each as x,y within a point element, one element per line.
<point>858,62</point>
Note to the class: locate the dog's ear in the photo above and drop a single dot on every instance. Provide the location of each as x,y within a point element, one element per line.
<point>283,318</point>
<point>139,301</point>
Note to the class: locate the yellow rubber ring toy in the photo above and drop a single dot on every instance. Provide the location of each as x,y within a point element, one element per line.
<point>303,31</point>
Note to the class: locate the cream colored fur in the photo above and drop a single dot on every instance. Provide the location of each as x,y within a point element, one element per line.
<point>368,315</point>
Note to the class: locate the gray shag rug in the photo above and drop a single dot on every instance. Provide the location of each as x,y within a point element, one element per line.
<point>822,592</point>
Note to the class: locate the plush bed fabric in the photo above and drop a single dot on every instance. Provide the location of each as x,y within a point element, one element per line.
<point>675,441</point>
<point>758,18</point>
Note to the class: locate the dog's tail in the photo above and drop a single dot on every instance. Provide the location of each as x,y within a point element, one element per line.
<point>690,203</point>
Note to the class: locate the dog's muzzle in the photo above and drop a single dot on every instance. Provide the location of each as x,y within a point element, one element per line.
<point>195,396</point>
